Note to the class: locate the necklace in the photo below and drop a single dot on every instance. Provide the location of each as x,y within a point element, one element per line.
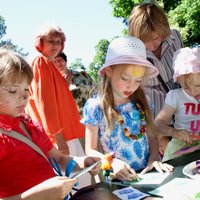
<point>127,133</point>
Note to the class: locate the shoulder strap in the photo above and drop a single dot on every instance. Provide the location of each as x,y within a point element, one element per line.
<point>160,77</point>
<point>24,139</point>
<point>163,83</point>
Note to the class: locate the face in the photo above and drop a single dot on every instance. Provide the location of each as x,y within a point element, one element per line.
<point>60,64</point>
<point>13,98</point>
<point>51,46</point>
<point>153,44</point>
<point>125,79</point>
<point>192,86</point>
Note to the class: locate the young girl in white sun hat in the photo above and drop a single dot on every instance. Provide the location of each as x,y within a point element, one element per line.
<point>119,115</point>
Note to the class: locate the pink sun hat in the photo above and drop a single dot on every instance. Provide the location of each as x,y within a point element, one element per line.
<point>128,50</point>
<point>186,61</point>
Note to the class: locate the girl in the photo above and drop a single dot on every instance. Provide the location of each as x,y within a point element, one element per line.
<point>183,103</point>
<point>119,115</point>
<point>24,173</point>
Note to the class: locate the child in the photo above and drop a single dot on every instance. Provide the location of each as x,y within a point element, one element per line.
<point>119,115</point>
<point>183,103</point>
<point>25,174</point>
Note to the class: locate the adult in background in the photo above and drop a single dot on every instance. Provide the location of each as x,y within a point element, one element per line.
<point>79,82</point>
<point>51,102</point>
<point>149,23</point>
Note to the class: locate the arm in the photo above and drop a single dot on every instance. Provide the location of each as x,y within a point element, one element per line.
<point>121,170</point>
<point>51,189</point>
<point>91,140</point>
<point>82,162</point>
<point>153,161</point>
<point>163,118</point>
<point>161,121</point>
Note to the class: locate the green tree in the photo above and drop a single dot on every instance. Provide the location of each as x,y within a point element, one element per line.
<point>183,15</point>
<point>77,65</point>
<point>186,18</point>
<point>2,27</point>
<point>99,59</point>
<point>8,43</point>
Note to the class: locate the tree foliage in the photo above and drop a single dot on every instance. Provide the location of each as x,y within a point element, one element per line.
<point>8,43</point>
<point>77,65</point>
<point>186,18</point>
<point>184,15</point>
<point>2,27</point>
<point>99,59</point>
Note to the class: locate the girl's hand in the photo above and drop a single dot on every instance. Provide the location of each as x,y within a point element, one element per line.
<point>159,166</point>
<point>163,142</point>
<point>91,160</point>
<point>183,135</point>
<point>61,144</point>
<point>123,171</point>
<point>54,188</point>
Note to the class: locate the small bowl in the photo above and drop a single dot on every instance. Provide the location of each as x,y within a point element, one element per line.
<point>187,170</point>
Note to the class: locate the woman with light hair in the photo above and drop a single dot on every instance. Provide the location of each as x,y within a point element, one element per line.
<point>149,23</point>
<point>51,102</point>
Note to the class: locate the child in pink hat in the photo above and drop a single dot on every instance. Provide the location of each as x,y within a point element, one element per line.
<point>183,103</point>
<point>119,116</point>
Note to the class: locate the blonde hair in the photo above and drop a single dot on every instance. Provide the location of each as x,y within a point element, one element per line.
<point>45,31</point>
<point>107,104</point>
<point>148,19</point>
<point>13,67</point>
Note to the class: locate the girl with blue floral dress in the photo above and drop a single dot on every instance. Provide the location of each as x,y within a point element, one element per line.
<point>119,115</point>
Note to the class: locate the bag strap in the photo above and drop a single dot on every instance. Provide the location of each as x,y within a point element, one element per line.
<point>160,77</point>
<point>163,83</point>
<point>24,139</point>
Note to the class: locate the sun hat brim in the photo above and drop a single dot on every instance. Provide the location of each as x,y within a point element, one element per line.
<point>152,71</point>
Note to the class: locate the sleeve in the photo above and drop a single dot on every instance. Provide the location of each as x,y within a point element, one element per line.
<point>172,98</point>
<point>40,137</point>
<point>92,113</point>
<point>178,39</point>
<point>44,97</point>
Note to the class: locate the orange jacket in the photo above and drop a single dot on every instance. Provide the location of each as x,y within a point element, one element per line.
<point>51,102</point>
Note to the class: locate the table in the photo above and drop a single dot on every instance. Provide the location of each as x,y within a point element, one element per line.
<point>103,191</point>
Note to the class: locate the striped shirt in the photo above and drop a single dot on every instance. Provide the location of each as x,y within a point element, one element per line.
<point>153,88</point>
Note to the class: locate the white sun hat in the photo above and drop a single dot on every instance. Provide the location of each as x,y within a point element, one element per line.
<point>128,50</point>
<point>186,61</point>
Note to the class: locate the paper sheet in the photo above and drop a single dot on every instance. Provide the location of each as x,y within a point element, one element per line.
<point>148,178</point>
<point>180,187</point>
<point>129,193</point>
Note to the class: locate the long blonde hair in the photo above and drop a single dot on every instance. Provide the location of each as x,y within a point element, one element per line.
<point>108,107</point>
<point>148,19</point>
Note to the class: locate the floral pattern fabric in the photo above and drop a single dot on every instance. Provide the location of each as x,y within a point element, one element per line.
<point>81,87</point>
<point>133,152</point>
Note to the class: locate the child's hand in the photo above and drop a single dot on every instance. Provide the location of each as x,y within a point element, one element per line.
<point>89,161</point>
<point>122,171</point>
<point>163,142</point>
<point>183,135</point>
<point>61,144</point>
<point>54,188</point>
<point>159,166</point>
